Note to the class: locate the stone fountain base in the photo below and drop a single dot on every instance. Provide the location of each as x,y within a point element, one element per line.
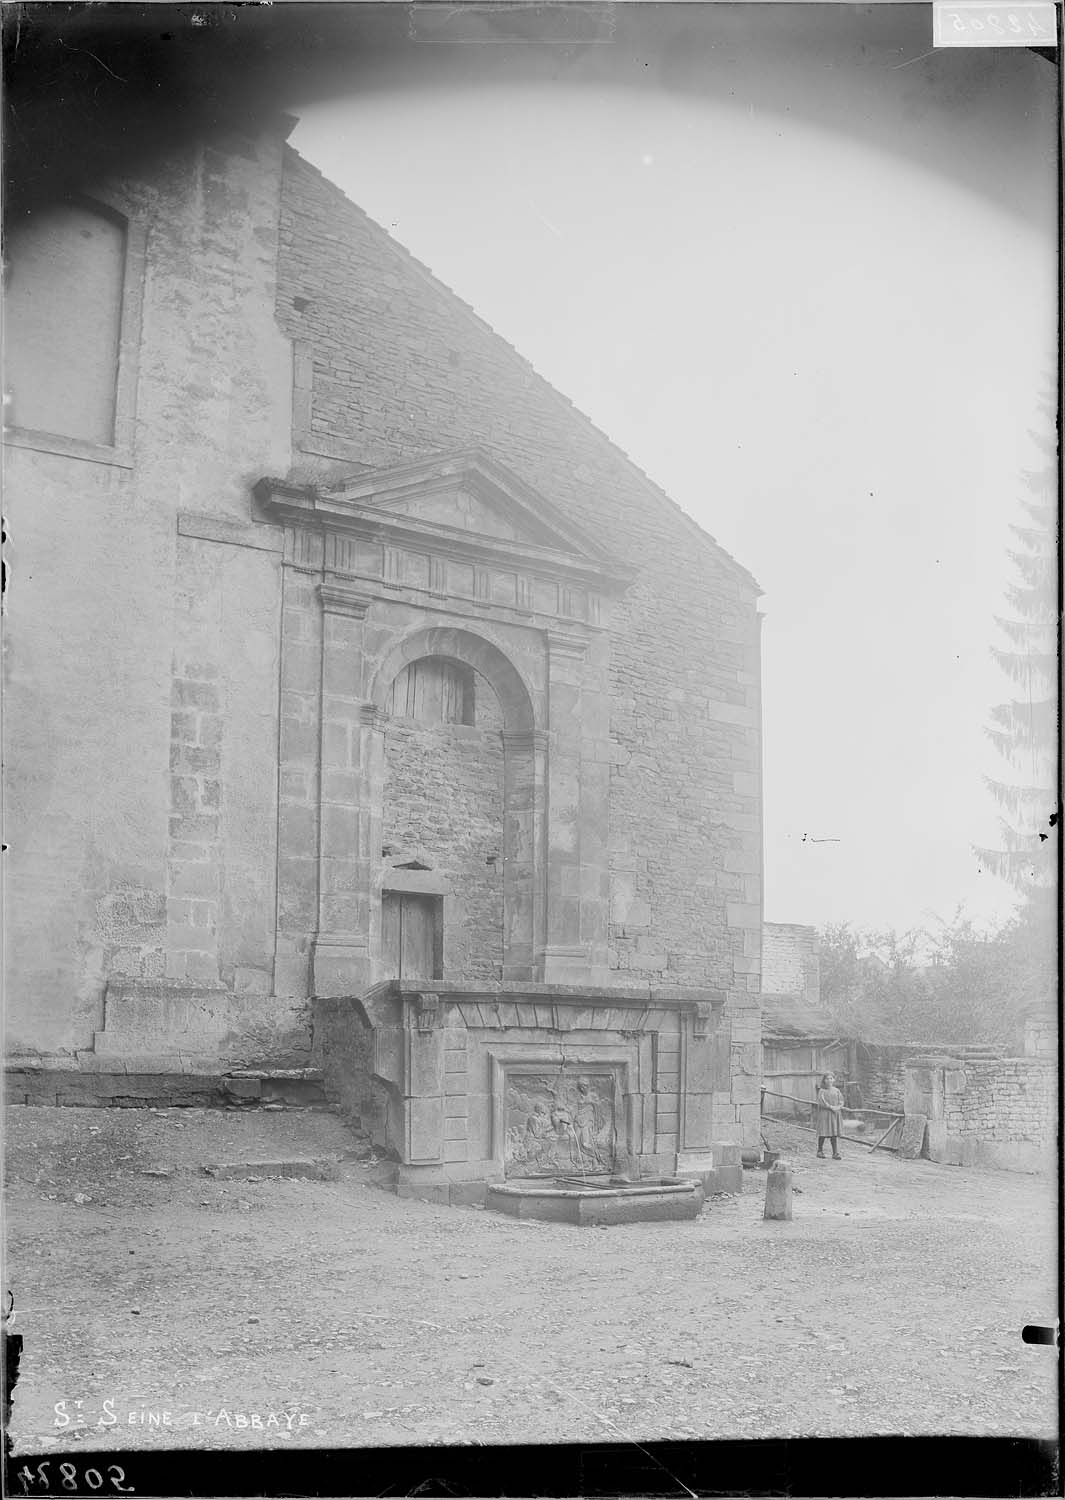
<point>604,1201</point>
<point>521,1083</point>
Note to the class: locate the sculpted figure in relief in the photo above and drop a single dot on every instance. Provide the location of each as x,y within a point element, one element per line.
<point>558,1124</point>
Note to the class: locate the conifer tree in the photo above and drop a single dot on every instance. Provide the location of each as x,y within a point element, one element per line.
<point>1025,730</point>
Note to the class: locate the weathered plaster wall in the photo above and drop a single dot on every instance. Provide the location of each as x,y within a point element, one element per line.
<point>115,623</point>
<point>389,367</point>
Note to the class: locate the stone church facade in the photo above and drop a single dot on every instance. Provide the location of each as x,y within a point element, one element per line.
<point>366,707</point>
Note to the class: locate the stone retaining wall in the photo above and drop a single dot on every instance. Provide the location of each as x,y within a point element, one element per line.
<point>987,1112</point>
<point>881,1074</point>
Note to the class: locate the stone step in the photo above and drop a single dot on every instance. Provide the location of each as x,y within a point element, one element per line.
<point>101,1089</point>
<point>297,1086</point>
<point>320,1169</point>
<point>106,1058</point>
<point>314,1074</point>
<point>129,1083</point>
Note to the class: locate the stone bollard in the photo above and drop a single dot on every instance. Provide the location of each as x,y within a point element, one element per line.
<point>778,1191</point>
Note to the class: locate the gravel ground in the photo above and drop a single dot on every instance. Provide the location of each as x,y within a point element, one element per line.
<point>332,1313</point>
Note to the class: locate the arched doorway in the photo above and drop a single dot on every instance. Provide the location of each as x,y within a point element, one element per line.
<point>442,824</point>
<point>459,797</point>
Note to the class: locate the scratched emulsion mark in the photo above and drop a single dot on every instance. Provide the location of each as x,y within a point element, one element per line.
<point>12,1359</point>
<point>483,22</point>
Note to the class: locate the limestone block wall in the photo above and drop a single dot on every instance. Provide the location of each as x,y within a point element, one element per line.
<point>790,961</point>
<point>881,1070</point>
<point>881,1074</point>
<point>987,1111</point>
<point>1002,1113</point>
<point>140,729</point>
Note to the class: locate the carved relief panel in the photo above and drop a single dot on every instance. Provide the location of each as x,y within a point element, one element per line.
<point>560,1125</point>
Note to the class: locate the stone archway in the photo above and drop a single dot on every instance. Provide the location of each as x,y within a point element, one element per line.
<point>474,651</point>
<point>513,946</point>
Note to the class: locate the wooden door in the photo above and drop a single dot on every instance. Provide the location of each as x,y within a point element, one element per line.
<point>409,941</point>
<point>390,948</point>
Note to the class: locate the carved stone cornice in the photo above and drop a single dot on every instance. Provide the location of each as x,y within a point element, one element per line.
<point>426,1010</point>
<point>524,739</point>
<point>372,716</point>
<point>535,538</point>
<point>562,644</point>
<point>342,599</point>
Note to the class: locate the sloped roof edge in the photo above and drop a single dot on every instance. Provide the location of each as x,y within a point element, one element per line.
<point>789,1017</point>
<point>425,274</point>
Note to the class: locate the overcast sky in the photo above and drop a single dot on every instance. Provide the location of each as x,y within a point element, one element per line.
<point>806,279</point>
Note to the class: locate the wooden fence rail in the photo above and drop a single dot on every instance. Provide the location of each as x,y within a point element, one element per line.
<point>896,1120</point>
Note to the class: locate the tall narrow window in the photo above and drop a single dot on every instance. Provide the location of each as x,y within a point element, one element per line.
<point>64,286</point>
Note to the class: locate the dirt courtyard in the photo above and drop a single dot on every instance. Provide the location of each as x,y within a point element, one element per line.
<point>184,1310</point>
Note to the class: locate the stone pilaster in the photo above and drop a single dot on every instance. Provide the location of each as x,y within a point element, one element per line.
<point>349,769</point>
<point>423,1083</point>
<point>298,766</point>
<point>524,764</point>
<point>596,757</point>
<point>705,1065</point>
<point>565,957</point>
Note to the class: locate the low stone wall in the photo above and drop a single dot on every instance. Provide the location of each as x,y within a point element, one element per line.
<point>880,1070</point>
<point>881,1074</point>
<point>105,1090</point>
<point>166,1026</point>
<point>1005,1116</point>
<point>108,1087</point>
<point>987,1111</point>
<point>343,1049</point>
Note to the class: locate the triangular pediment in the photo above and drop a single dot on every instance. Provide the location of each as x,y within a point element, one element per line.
<point>467,493</point>
<point>463,510</point>
<point>449,504</point>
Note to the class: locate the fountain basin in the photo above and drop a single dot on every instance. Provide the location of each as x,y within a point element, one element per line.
<point>603,1201</point>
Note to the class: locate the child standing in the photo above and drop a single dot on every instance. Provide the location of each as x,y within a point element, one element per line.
<point>829,1113</point>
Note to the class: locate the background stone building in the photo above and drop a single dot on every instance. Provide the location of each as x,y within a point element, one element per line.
<point>342,650</point>
<point>800,1040</point>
